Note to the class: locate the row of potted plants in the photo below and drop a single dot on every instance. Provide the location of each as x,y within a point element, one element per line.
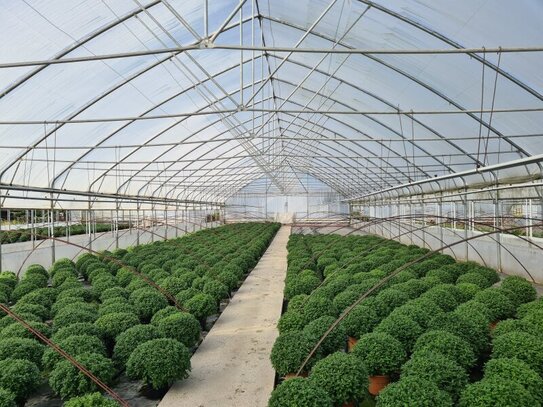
<point>430,322</point>
<point>25,235</point>
<point>102,311</point>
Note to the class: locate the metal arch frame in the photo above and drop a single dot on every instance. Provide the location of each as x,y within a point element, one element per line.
<point>452,43</point>
<point>156,106</point>
<point>354,142</point>
<point>211,98</point>
<point>95,100</point>
<point>336,78</point>
<point>80,43</point>
<point>378,122</point>
<point>389,104</point>
<point>411,78</point>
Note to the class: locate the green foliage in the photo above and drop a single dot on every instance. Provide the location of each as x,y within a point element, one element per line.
<point>147,301</point>
<point>67,381</point>
<point>439,369</point>
<point>36,309</point>
<point>301,285</point>
<point>73,313</point>
<point>413,391</point>
<point>381,353</point>
<point>7,398</point>
<point>474,278</point>
<point>297,303</point>
<point>475,334</point>
<point>82,293</point>
<point>333,342</point>
<point>73,345</point>
<point>520,345</point>
<point>130,339</point>
<point>181,326</point>
<point>523,291</point>
<point>16,330</point>
<point>289,351</point>
<point>114,307</point>
<point>499,305</point>
<point>388,300</point>
<point>496,392</point>
<point>467,291</point>
<point>113,292</point>
<point>201,306</point>
<point>79,328</point>
<point>518,371</point>
<point>361,320</point>
<point>291,321</point>
<point>476,311</point>
<point>159,362</point>
<point>21,348</point>
<point>529,307</point>
<point>318,306</point>
<point>41,296</point>
<point>164,313</point>
<point>114,324</point>
<point>216,289</point>
<point>91,400</point>
<point>20,377</point>
<point>442,297</point>
<point>343,376</point>
<point>401,327</point>
<point>446,344</point>
<point>299,392</point>
<point>9,278</point>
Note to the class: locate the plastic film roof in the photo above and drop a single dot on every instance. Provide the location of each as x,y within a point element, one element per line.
<point>228,117</point>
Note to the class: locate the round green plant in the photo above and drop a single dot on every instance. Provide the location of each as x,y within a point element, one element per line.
<point>181,326</point>
<point>413,392</point>
<point>343,376</point>
<point>147,302</point>
<point>7,398</point>
<point>289,352</point>
<point>114,324</point>
<point>159,362</point>
<point>91,400</point>
<point>496,391</point>
<point>291,321</point>
<point>441,370</point>
<point>201,306</point>
<point>520,345</point>
<point>74,346</point>
<point>523,291</point>
<point>68,381</point>
<point>299,392</point>
<point>20,377</point>
<point>21,348</point>
<point>447,344</point>
<point>130,339</point>
<point>499,305</point>
<point>381,353</point>
<point>517,371</point>
<point>334,341</point>
<point>401,327</point>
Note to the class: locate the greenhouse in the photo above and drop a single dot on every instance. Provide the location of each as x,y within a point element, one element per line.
<point>312,203</point>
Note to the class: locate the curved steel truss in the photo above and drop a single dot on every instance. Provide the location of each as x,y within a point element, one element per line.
<point>261,88</point>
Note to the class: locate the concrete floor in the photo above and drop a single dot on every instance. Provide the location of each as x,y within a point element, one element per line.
<point>232,366</point>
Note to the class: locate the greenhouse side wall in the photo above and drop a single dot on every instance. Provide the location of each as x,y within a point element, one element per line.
<point>18,256</point>
<point>508,253</point>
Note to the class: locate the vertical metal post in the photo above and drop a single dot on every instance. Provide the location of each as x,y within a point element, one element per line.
<point>165,222</point>
<point>52,230</point>
<point>498,235</point>
<point>138,224</point>
<point>206,17</point>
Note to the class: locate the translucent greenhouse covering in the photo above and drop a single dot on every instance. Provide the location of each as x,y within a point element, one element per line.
<point>195,100</point>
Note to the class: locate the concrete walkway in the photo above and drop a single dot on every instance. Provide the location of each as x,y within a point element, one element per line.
<point>232,365</point>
